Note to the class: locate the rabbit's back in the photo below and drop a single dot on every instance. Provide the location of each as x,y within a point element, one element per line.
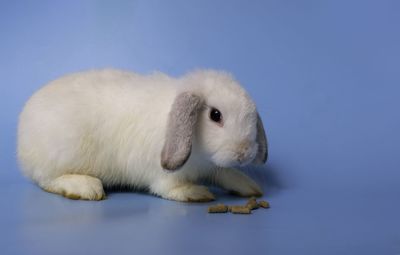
<point>92,122</point>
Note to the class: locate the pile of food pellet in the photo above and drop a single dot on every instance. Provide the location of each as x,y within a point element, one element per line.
<point>239,209</point>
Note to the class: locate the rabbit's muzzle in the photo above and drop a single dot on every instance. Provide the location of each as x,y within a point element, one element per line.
<point>246,152</point>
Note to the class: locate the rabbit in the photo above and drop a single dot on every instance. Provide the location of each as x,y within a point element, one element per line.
<point>105,128</point>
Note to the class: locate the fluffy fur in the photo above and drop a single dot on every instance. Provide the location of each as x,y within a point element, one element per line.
<point>109,127</point>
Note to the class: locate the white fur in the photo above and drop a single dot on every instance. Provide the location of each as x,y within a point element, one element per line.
<point>110,125</point>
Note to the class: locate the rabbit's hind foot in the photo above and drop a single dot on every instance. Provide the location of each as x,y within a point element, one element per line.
<point>76,186</point>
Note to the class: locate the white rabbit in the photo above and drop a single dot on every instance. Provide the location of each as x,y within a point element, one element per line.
<point>116,128</point>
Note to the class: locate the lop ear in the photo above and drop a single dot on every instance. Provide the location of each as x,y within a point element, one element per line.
<point>262,153</point>
<point>181,121</point>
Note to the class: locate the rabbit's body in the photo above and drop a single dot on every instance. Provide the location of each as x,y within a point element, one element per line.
<point>107,128</point>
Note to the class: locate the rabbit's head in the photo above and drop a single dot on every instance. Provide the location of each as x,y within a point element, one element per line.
<point>215,114</point>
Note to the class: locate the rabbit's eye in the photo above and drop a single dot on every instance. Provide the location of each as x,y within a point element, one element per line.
<point>215,115</point>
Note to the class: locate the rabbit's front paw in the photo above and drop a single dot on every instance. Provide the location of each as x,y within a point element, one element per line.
<point>189,193</point>
<point>246,188</point>
<point>237,183</point>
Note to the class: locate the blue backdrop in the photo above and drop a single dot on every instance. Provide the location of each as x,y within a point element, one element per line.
<point>325,76</point>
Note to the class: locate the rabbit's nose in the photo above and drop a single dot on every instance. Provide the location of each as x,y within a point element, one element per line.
<point>241,157</point>
<point>243,149</point>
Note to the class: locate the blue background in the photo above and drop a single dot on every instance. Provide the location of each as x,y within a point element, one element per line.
<point>325,76</point>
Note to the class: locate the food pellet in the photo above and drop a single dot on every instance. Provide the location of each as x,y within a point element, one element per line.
<point>252,204</point>
<point>239,209</point>
<point>263,204</point>
<point>219,208</point>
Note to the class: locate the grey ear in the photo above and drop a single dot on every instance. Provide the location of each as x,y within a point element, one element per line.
<point>262,153</point>
<point>181,121</point>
